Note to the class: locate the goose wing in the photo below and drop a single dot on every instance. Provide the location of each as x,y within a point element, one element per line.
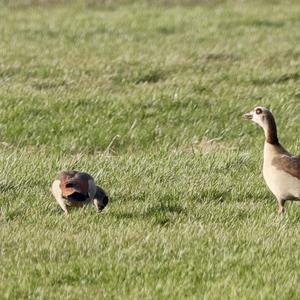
<point>288,164</point>
<point>76,186</point>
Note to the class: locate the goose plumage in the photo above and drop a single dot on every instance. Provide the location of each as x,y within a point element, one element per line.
<point>73,188</point>
<point>281,170</point>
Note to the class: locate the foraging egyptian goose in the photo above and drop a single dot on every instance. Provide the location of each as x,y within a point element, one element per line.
<point>72,188</point>
<point>281,170</point>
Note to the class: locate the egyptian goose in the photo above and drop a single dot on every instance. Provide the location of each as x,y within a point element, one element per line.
<point>281,170</point>
<point>72,188</point>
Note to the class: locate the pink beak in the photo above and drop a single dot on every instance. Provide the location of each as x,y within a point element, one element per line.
<point>248,116</point>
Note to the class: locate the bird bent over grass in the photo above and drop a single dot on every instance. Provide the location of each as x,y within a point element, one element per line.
<point>73,188</point>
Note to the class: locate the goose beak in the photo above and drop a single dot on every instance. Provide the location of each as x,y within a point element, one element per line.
<point>248,116</point>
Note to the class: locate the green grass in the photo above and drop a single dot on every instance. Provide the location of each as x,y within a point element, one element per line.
<point>147,96</point>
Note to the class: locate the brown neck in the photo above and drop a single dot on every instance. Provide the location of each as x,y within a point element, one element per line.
<point>271,131</point>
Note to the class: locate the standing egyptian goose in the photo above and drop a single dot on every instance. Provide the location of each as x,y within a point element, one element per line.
<point>281,170</point>
<point>72,188</point>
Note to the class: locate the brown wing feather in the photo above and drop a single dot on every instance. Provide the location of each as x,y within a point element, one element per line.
<point>73,181</point>
<point>65,186</point>
<point>289,164</point>
<point>82,186</point>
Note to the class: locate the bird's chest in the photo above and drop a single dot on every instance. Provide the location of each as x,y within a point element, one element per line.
<point>283,185</point>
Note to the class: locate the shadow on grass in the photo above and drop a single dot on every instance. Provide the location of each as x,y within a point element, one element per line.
<point>211,195</point>
<point>46,85</point>
<point>252,23</point>
<point>159,3</point>
<point>220,57</point>
<point>161,214</point>
<point>277,80</point>
<point>6,186</point>
<point>266,23</point>
<point>8,214</point>
<point>139,76</point>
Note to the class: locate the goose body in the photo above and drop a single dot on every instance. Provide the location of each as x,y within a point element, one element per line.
<point>281,170</point>
<point>278,173</point>
<point>73,188</point>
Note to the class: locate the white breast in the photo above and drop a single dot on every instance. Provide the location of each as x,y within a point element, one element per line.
<point>283,185</point>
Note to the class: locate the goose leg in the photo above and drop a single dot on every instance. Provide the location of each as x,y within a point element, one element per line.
<point>281,209</point>
<point>61,203</point>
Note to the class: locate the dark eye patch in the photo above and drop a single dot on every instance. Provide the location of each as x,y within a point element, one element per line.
<point>258,111</point>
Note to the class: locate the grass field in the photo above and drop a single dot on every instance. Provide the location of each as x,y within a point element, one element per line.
<point>147,96</point>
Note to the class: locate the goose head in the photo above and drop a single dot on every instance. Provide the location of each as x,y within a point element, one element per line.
<point>260,115</point>
<point>264,118</point>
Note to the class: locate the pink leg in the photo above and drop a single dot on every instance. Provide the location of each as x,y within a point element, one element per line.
<point>281,210</point>
<point>281,207</point>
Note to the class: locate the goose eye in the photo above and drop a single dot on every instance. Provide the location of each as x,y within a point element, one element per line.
<point>258,111</point>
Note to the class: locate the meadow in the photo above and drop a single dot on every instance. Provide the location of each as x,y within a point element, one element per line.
<point>148,97</point>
